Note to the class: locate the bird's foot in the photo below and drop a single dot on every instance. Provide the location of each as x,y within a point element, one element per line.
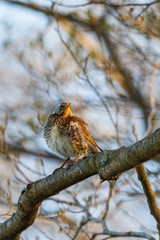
<point>61,165</point>
<point>69,165</point>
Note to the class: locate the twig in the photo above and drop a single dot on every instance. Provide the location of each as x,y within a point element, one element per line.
<point>108,201</point>
<point>153,105</point>
<point>151,199</point>
<point>109,4</point>
<point>88,80</point>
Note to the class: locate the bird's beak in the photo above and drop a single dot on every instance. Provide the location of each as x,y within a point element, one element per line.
<point>68,105</point>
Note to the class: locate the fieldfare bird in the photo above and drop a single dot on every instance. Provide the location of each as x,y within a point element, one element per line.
<point>68,135</point>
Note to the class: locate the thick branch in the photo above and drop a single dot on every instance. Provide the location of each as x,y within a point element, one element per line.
<point>107,164</point>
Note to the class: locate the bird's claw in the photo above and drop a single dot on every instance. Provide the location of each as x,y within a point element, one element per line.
<point>69,165</point>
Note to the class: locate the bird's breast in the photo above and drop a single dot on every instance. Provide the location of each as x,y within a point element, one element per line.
<point>60,143</point>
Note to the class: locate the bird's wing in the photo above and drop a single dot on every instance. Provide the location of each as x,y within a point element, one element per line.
<point>91,142</point>
<point>87,135</point>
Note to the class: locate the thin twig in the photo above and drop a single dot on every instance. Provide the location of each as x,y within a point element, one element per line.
<point>107,3</point>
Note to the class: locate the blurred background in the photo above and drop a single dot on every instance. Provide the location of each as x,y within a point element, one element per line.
<point>103,57</point>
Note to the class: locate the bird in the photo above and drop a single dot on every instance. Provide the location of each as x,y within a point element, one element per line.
<point>68,135</point>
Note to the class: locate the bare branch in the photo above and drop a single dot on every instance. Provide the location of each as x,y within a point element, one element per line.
<point>109,4</point>
<point>131,90</point>
<point>108,164</point>
<point>124,234</point>
<point>151,199</point>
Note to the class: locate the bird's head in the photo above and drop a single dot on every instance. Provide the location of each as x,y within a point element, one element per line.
<point>64,109</point>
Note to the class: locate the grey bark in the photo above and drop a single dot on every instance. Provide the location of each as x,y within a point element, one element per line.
<point>108,164</point>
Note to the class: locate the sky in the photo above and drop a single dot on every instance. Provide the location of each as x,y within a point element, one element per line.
<point>26,24</point>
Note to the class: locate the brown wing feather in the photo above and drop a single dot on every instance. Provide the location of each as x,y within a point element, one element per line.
<point>91,142</point>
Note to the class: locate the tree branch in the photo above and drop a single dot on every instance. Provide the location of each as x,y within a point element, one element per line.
<point>119,73</point>
<point>151,199</point>
<point>109,4</point>
<point>127,79</point>
<point>108,164</point>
